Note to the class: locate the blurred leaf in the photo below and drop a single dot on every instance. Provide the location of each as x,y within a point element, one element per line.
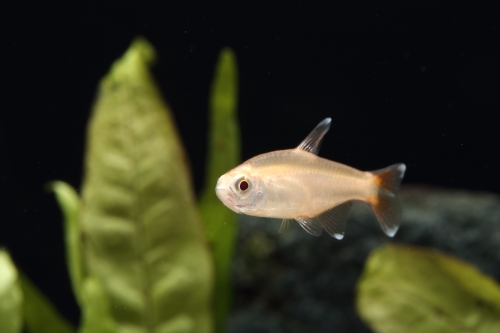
<point>40,315</point>
<point>223,155</point>
<point>142,233</point>
<point>410,289</point>
<point>96,316</point>
<point>70,205</point>
<point>10,296</point>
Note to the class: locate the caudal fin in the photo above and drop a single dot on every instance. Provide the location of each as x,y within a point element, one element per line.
<point>385,204</point>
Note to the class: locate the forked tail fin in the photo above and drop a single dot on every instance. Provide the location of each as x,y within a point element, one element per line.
<point>385,204</point>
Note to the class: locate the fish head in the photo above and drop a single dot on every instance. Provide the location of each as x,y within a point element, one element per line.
<point>240,190</point>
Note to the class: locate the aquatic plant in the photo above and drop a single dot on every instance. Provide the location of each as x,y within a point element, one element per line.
<point>137,250</point>
<point>223,154</point>
<point>416,290</point>
<point>10,296</point>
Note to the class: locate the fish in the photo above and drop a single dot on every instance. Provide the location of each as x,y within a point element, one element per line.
<point>297,184</point>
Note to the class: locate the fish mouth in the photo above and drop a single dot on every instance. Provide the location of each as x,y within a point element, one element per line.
<point>228,198</point>
<point>220,191</point>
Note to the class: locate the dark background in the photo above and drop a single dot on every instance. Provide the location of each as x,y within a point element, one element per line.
<point>412,81</point>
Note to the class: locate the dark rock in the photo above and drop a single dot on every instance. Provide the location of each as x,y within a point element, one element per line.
<point>295,282</point>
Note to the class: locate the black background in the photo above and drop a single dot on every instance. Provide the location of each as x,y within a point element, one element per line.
<point>404,81</point>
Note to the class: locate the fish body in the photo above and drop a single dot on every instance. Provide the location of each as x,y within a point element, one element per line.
<point>296,184</point>
<point>299,183</point>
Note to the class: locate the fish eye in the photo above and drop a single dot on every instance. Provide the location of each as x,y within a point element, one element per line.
<point>243,184</point>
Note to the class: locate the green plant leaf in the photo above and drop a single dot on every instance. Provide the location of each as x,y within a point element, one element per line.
<point>417,290</point>
<point>223,155</point>
<point>96,316</point>
<point>40,315</point>
<point>142,233</point>
<point>70,205</point>
<point>10,296</point>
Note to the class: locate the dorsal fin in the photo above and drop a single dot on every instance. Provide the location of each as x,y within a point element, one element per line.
<point>313,141</point>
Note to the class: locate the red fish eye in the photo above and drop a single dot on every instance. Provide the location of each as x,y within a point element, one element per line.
<point>243,185</point>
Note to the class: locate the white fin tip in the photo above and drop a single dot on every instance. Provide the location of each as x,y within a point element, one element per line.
<point>402,169</point>
<point>391,232</point>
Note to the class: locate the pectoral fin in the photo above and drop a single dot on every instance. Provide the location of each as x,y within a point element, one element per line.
<point>312,226</point>
<point>312,142</point>
<point>333,220</point>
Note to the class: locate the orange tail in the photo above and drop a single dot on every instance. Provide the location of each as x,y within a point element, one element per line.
<point>385,204</point>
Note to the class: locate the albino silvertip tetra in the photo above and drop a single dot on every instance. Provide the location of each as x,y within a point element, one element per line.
<point>296,184</point>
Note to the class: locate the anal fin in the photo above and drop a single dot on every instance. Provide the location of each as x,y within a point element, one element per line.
<point>334,219</point>
<point>311,225</point>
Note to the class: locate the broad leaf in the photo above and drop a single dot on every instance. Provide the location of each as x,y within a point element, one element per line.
<point>96,316</point>
<point>40,315</point>
<point>223,155</point>
<point>142,233</point>
<point>10,296</point>
<point>70,205</point>
<point>415,290</point>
